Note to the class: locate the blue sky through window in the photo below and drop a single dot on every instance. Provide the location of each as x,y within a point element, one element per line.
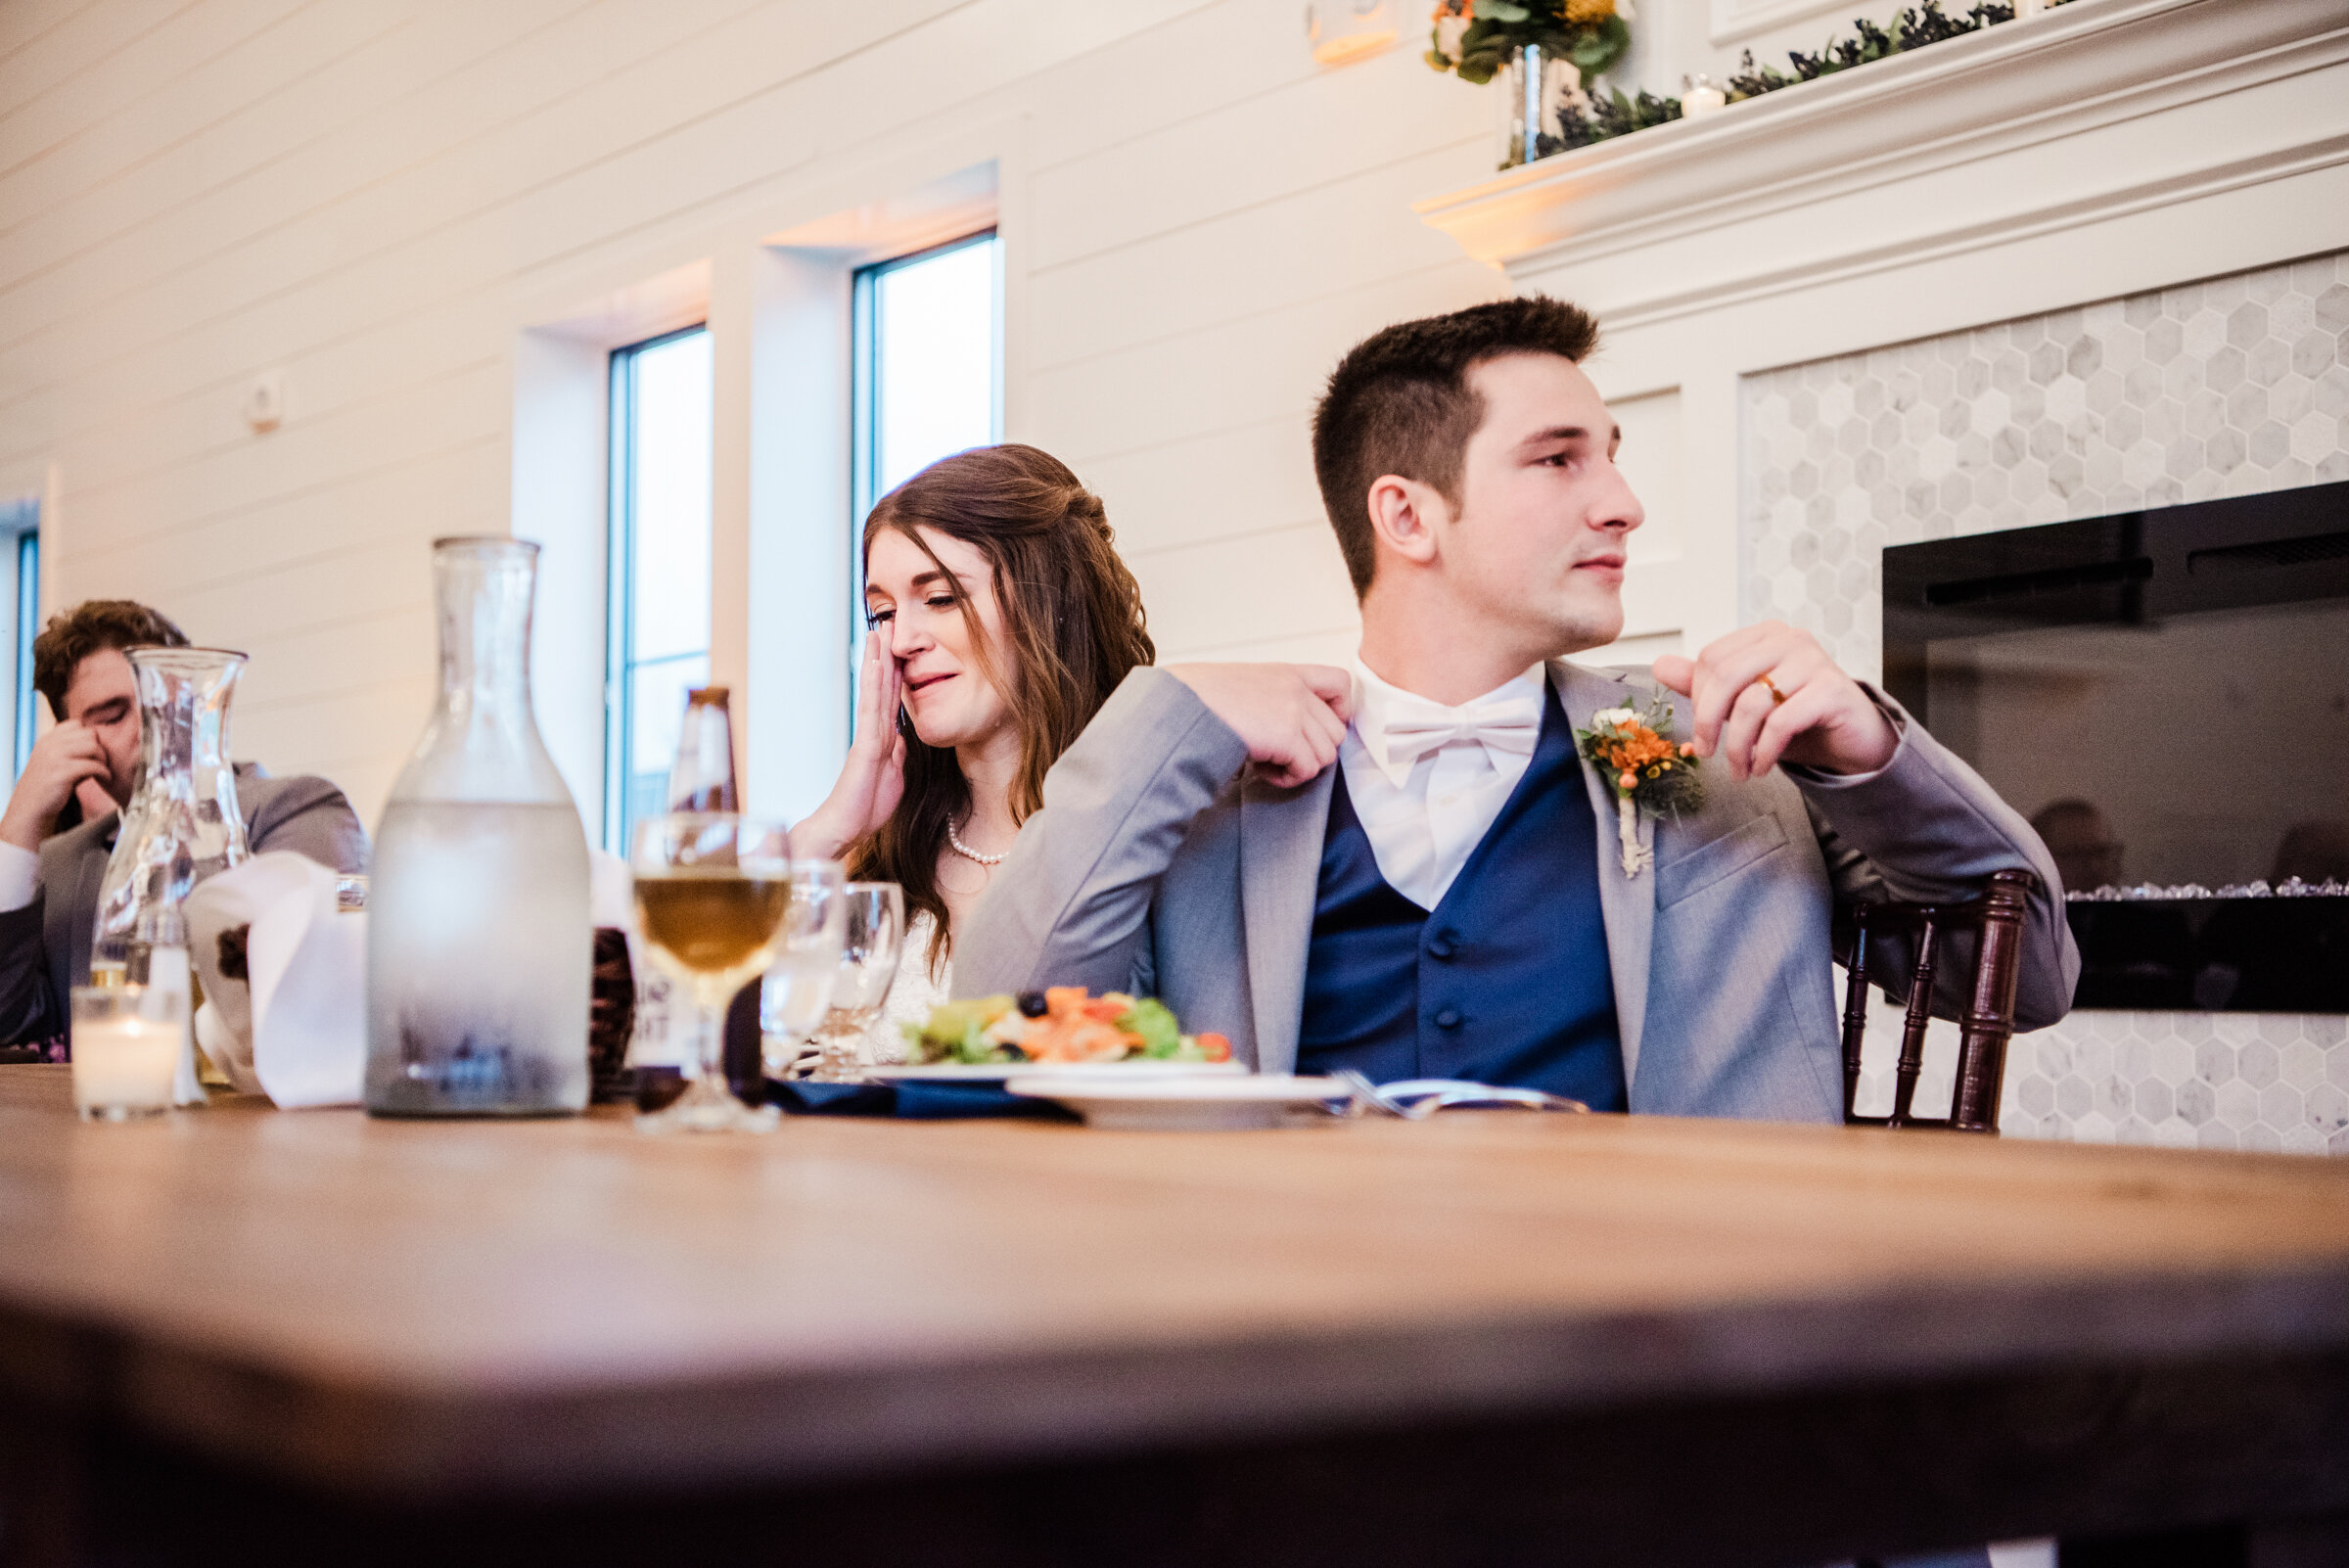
<point>661,433</point>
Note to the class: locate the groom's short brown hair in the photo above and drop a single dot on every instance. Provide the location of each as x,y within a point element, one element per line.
<point>1399,403</point>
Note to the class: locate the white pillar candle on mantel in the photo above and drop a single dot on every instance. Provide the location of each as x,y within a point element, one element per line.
<point>1702,98</point>
<point>2024,10</point>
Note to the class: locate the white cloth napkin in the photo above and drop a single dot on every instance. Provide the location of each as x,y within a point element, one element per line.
<point>297,1031</point>
<point>611,894</point>
<point>611,902</point>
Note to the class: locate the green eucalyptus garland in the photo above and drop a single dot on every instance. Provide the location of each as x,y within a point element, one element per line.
<point>1484,33</point>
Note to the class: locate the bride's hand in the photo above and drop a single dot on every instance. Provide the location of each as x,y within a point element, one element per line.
<point>873,780</point>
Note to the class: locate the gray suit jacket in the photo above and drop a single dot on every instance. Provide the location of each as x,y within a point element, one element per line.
<point>45,946</point>
<point>1160,865</point>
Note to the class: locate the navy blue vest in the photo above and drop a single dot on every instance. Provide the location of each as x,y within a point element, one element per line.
<point>1505,981</point>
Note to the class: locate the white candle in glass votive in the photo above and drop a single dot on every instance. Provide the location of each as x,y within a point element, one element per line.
<point>127,1041</point>
<point>1702,99</point>
<point>124,1066</point>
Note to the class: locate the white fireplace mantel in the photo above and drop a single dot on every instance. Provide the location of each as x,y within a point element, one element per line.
<point>2102,148</point>
<point>2092,110</point>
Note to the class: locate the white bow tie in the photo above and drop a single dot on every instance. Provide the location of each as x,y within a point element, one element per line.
<point>1415,726</point>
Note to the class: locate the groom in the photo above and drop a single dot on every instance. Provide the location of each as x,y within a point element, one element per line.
<point>1452,899</point>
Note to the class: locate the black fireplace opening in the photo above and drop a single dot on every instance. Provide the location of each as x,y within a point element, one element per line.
<point>2165,695</point>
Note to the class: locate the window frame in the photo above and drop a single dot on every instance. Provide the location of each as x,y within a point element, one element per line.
<point>865,409</point>
<point>28,620</point>
<point>620,598</point>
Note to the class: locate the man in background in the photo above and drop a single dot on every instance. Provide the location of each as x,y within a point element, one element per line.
<point>59,827</point>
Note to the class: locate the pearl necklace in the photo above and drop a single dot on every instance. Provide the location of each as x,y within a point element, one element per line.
<point>967,852</point>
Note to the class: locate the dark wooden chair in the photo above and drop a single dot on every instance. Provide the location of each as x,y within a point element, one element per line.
<point>1983,1029</point>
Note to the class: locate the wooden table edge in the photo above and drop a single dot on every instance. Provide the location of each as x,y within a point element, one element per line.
<point>413,1441</point>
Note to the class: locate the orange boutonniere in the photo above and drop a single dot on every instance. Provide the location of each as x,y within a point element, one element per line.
<point>1647,772</point>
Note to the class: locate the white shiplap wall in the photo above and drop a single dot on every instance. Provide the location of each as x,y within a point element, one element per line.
<point>380,197</point>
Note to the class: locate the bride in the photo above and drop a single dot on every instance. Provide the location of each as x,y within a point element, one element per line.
<point>998,620</point>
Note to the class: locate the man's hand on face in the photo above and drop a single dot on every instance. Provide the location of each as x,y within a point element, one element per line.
<point>1291,717</point>
<point>65,762</point>
<point>1817,716</point>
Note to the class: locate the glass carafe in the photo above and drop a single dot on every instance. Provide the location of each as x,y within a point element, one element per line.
<point>479,941</point>
<point>182,824</point>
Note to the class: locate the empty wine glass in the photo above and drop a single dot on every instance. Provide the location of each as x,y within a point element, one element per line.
<point>713,891</point>
<point>872,937</point>
<point>799,988</point>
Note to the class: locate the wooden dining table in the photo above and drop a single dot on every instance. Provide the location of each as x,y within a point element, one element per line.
<point>234,1334</point>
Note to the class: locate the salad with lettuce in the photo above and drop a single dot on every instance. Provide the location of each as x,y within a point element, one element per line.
<point>1062,1023</point>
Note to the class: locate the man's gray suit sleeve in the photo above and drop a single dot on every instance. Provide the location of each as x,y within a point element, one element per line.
<point>1926,828</point>
<point>311,817</point>
<point>1071,904</point>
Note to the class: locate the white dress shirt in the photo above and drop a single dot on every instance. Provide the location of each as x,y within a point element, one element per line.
<point>20,876</point>
<point>1425,811</point>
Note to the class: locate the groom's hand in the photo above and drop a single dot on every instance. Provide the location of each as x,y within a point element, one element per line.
<point>1290,717</point>
<point>1819,715</point>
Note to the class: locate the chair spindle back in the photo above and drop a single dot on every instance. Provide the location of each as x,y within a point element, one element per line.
<point>1985,1026</point>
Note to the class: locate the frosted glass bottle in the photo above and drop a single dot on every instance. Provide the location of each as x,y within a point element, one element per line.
<point>478,943</point>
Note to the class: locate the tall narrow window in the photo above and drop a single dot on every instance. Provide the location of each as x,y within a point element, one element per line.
<point>658,621</point>
<point>928,368</point>
<point>28,626</point>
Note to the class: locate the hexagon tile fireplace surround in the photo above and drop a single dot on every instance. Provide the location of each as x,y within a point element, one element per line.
<point>2083,263</point>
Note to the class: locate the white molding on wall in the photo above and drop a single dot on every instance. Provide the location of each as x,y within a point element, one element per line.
<point>1736,20</point>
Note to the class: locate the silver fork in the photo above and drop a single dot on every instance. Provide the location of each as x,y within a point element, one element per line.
<point>1363,1098</point>
<point>1420,1099</point>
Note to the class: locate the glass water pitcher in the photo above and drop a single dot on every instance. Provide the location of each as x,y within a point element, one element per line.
<point>182,824</point>
<point>479,944</point>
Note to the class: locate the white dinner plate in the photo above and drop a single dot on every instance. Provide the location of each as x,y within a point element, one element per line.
<point>998,1072</point>
<point>1179,1105</point>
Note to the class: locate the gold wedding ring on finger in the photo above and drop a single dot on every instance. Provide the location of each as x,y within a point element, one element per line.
<point>1775,696</point>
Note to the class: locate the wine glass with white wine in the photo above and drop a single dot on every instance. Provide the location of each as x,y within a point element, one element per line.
<point>713,890</point>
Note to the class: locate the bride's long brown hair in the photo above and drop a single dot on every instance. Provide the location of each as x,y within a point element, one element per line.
<point>1072,616</point>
